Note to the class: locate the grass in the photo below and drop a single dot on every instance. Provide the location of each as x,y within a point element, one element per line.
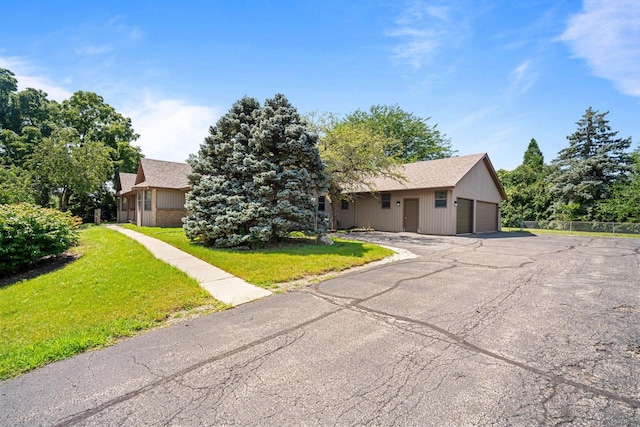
<point>570,233</point>
<point>267,267</point>
<point>113,290</point>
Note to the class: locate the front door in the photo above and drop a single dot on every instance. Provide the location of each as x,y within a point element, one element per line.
<point>464,216</point>
<point>410,215</point>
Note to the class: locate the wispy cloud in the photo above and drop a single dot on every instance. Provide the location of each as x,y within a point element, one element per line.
<point>170,129</point>
<point>27,76</point>
<point>422,30</point>
<point>521,79</point>
<point>94,50</point>
<point>607,35</point>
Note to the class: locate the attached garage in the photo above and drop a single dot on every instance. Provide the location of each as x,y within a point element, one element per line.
<point>486,217</point>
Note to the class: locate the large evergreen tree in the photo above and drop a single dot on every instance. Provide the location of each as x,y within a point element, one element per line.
<point>255,177</point>
<point>584,174</point>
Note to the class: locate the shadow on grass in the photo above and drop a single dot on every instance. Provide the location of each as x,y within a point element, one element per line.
<point>303,248</point>
<point>44,266</point>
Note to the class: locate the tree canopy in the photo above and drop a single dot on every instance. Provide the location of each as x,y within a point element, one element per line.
<point>62,149</point>
<point>411,138</point>
<point>256,177</point>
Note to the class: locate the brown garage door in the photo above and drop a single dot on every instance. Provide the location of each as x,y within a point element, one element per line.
<point>486,217</point>
<point>464,216</point>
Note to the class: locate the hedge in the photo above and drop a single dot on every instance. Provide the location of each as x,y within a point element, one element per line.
<point>28,233</point>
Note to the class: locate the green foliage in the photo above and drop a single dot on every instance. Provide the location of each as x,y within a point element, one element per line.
<point>29,233</point>
<point>528,195</point>
<point>255,177</point>
<point>15,185</point>
<point>624,203</point>
<point>69,166</point>
<point>584,174</point>
<point>354,155</point>
<point>115,289</point>
<point>410,138</point>
<point>80,131</point>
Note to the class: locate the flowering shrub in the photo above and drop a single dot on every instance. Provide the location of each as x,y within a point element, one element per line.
<point>29,233</point>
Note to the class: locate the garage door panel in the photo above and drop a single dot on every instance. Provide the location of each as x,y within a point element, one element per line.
<point>464,216</point>
<point>486,217</point>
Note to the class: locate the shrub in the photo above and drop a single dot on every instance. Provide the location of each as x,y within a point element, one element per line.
<point>29,233</point>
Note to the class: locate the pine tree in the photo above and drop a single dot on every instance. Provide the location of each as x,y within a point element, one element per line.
<point>220,200</point>
<point>584,173</point>
<point>293,172</point>
<point>255,177</point>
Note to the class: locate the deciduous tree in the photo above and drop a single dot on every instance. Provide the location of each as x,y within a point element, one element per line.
<point>411,137</point>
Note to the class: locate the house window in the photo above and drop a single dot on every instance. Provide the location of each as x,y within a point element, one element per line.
<point>386,200</point>
<point>321,203</point>
<point>124,204</point>
<point>147,200</point>
<point>441,199</point>
<point>344,205</point>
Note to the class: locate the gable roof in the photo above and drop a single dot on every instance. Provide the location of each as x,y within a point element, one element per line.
<point>161,174</point>
<point>126,181</point>
<point>440,173</point>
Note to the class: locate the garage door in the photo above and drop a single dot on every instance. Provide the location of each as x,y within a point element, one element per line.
<point>464,216</point>
<point>486,217</point>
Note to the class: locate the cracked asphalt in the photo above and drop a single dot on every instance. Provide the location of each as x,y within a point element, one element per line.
<point>498,329</point>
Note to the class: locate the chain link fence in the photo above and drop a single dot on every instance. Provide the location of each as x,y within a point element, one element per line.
<point>577,226</point>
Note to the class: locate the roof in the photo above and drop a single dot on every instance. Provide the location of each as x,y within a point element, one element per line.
<point>125,183</point>
<point>161,174</point>
<point>440,173</point>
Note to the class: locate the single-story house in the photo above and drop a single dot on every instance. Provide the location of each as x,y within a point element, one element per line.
<point>449,196</point>
<point>154,196</point>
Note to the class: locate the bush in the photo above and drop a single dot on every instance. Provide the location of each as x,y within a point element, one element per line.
<point>29,233</point>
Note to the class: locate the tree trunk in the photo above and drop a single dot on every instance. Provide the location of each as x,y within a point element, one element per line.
<point>63,199</point>
<point>334,199</point>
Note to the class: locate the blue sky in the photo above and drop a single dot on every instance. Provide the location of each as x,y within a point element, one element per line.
<point>491,74</point>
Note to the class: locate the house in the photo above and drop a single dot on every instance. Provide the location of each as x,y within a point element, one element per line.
<point>154,196</point>
<point>449,196</point>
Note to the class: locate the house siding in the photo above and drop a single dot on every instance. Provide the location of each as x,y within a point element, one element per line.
<point>478,185</point>
<point>171,199</point>
<point>431,220</point>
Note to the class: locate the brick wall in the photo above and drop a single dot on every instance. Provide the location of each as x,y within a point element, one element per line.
<point>170,217</point>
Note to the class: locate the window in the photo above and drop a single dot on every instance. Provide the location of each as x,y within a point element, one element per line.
<point>344,205</point>
<point>441,199</point>
<point>321,203</point>
<point>147,200</point>
<point>124,204</point>
<point>386,200</point>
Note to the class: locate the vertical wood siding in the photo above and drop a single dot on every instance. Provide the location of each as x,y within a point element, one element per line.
<point>478,185</point>
<point>432,220</point>
<point>170,199</point>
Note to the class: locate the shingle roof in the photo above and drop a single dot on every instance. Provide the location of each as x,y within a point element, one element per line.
<point>440,173</point>
<point>125,182</point>
<point>161,174</point>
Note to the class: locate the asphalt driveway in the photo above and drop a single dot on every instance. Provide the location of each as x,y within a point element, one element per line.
<point>497,329</point>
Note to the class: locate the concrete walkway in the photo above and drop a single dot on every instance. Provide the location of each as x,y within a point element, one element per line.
<point>223,286</point>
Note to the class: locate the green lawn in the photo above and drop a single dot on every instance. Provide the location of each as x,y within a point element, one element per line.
<point>267,267</point>
<point>113,290</point>
<point>570,233</point>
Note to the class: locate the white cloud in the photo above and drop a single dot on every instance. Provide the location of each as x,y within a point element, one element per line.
<point>94,50</point>
<point>607,35</point>
<point>521,79</point>
<point>25,74</point>
<point>170,129</point>
<point>423,29</point>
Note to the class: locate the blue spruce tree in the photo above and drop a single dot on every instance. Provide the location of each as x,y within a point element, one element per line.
<point>255,178</point>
